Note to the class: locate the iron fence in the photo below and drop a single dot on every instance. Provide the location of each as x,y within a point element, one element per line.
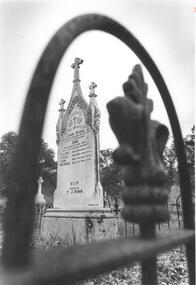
<point>175,221</point>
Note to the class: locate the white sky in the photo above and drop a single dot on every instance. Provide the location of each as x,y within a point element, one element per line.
<point>165,28</point>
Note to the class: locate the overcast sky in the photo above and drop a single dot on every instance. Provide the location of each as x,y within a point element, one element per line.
<point>165,28</point>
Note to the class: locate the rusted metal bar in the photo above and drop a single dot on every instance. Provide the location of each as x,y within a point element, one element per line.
<point>22,188</point>
<point>63,266</point>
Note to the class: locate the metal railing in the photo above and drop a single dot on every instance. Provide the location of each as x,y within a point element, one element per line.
<point>174,221</point>
<point>19,265</point>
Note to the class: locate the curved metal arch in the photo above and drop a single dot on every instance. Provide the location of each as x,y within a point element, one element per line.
<point>19,218</point>
<point>180,196</point>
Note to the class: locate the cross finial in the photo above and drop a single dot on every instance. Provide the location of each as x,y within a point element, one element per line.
<point>92,87</point>
<point>40,180</point>
<point>76,66</point>
<point>39,198</point>
<point>62,107</point>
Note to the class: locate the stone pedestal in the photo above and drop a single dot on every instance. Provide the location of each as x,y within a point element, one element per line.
<point>79,226</point>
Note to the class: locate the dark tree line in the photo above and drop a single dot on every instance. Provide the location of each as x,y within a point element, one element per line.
<point>111,175</point>
<point>170,159</point>
<point>111,178</point>
<point>46,162</point>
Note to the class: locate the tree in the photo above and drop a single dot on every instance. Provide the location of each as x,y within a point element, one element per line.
<point>7,145</point>
<point>48,170</point>
<point>111,178</point>
<point>170,159</point>
<point>46,162</point>
<point>190,152</point>
<point>106,157</point>
<point>46,156</point>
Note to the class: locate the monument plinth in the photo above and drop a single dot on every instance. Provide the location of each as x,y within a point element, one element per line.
<point>78,198</point>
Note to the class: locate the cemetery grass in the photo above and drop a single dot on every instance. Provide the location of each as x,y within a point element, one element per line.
<point>171,267</point>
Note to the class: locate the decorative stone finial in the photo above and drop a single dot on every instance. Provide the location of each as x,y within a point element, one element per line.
<point>93,117</point>
<point>92,87</point>
<point>76,66</point>
<point>40,180</point>
<point>62,107</point>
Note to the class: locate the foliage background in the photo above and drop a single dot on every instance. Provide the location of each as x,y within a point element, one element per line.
<point>110,173</point>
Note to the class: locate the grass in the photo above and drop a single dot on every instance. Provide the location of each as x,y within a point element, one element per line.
<point>171,268</point>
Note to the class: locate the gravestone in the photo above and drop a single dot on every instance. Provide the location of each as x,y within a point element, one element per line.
<point>78,199</point>
<point>39,198</point>
<point>78,151</point>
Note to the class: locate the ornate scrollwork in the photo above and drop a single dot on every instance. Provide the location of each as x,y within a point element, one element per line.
<point>77,100</point>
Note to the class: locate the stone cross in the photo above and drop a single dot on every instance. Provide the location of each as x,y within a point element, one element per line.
<point>40,197</point>
<point>62,107</point>
<point>76,66</point>
<point>92,87</point>
<point>40,181</point>
<point>74,119</point>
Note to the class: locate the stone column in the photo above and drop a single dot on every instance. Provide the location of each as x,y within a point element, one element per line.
<point>94,120</point>
<point>60,125</point>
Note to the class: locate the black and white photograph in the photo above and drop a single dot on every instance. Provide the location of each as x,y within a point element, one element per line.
<point>97,142</point>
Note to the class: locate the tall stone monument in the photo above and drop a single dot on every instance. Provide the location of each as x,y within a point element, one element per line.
<point>78,199</point>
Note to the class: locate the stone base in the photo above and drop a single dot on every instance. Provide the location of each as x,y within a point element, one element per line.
<point>79,226</point>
